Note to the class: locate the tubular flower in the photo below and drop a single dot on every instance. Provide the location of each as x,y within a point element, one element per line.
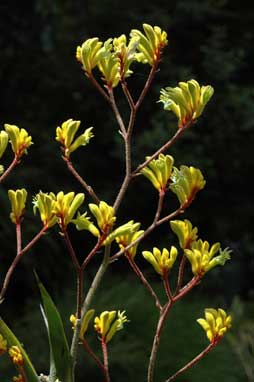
<point>66,133</point>
<point>125,239</point>
<point>45,204</point>
<point>89,54</point>
<point>18,202</point>
<point>125,229</point>
<point>109,65</point>
<point>216,323</point>
<point>185,232</point>
<point>125,54</point>
<point>202,259</point>
<point>85,322</point>
<point>19,138</point>
<point>186,182</point>
<point>16,355</point>
<point>3,345</point>
<point>66,206</point>
<point>3,142</point>
<point>104,215</point>
<point>82,222</point>
<point>161,261</point>
<point>150,44</point>
<point>187,101</point>
<point>106,325</point>
<point>159,171</point>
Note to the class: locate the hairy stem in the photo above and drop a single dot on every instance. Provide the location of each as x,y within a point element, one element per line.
<point>192,362</point>
<point>180,273</point>
<point>81,180</point>
<point>147,285</point>
<point>105,359</point>
<point>9,169</point>
<point>156,341</point>
<point>16,261</point>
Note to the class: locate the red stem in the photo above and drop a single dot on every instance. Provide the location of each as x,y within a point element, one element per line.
<point>93,355</point>
<point>144,282</point>
<point>9,169</point>
<point>105,359</point>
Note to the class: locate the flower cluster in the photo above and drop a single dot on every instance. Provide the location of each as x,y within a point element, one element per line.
<point>114,57</point>
<point>159,171</point>
<point>216,323</point>
<point>161,261</point>
<point>108,323</point>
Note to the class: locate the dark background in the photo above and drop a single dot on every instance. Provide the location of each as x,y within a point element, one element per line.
<point>41,85</point>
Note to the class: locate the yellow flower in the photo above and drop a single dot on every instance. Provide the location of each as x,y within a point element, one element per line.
<point>18,202</point>
<point>161,261</point>
<point>3,345</point>
<point>66,206</point>
<point>16,355</point>
<point>202,259</point>
<point>19,138</point>
<point>109,65</point>
<point>85,322</point>
<point>18,378</point>
<point>125,239</point>
<point>186,182</point>
<point>184,231</point>
<point>159,171</point>
<point>216,323</point>
<point>3,142</point>
<point>104,215</point>
<point>66,133</point>
<point>106,325</point>
<point>150,44</point>
<point>45,204</point>
<point>187,101</point>
<point>89,54</point>
<point>126,54</point>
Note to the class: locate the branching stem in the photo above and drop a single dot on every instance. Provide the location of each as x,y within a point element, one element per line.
<point>9,169</point>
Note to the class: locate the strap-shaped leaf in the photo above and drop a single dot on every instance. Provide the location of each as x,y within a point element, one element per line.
<point>12,340</point>
<point>61,362</point>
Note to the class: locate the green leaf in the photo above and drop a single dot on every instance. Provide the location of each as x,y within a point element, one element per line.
<point>6,332</point>
<point>60,359</point>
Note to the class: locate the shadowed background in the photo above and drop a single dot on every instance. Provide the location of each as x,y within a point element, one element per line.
<point>42,85</point>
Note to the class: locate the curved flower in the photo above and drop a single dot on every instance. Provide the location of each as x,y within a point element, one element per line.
<point>125,239</point>
<point>150,44</point>
<point>89,54</point>
<point>202,257</point>
<point>187,101</point>
<point>16,355</point>
<point>104,215</point>
<point>85,322</point>
<point>19,138</point>
<point>66,206</point>
<point>3,142</point>
<point>161,261</point>
<point>66,133</point>
<point>45,203</point>
<point>185,232</point>
<point>159,171</point>
<point>18,203</point>
<point>186,182</point>
<point>106,325</point>
<point>216,323</point>
<point>126,54</point>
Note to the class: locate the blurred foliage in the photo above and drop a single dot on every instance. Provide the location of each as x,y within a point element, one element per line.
<point>129,352</point>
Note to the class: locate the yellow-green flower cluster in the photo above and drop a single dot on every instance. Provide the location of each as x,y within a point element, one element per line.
<point>108,323</point>
<point>3,345</point>
<point>202,257</point>
<point>150,44</point>
<point>216,323</point>
<point>85,322</point>
<point>66,205</point>
<point>114,57</point>
<point>129,237</point>
<point>187,101</point>
<point>3,142</point>
<point>186,182</point>
<point>45,203</point>
<point>159,171</point>
<point>185,232</point>
<point>18,203</point>
<point>161,261</point>
<point>19,138</point>
<point>16,355</point>
<point>66,134</point>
